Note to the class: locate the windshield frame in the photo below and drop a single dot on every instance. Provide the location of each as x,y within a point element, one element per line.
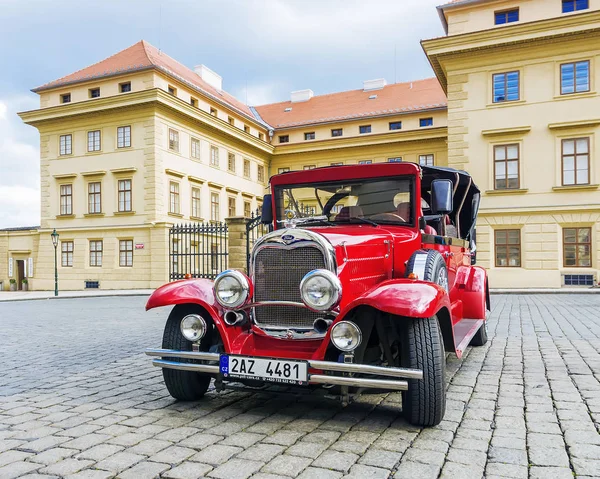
<point>278,192</point>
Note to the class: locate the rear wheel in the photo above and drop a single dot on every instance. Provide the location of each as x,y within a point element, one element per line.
<point>481,336</point>
<point>184,385</point>
<point>424,403</point>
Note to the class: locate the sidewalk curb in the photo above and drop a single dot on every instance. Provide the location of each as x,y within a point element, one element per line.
<point>74,296</point>
<point>546,291</point>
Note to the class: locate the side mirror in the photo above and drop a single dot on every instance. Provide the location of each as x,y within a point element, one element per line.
<point>441,197</point>
<point>266,215</point>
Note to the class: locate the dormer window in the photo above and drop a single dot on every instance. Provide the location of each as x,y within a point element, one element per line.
<point>172,90</point>
<point>284,138</point>
<point>125,87</point>
<point>574,5</point>
<point>194,102</point>
<point>309,135</point>
<point>65,98</point>
<point>213,111</point>
<point>424,122</point>
<point>94,92</point>
<point>506,16</point>
<point>246,128</point>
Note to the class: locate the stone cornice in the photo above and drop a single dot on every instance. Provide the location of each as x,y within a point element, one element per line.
<point>541,31</point>
<point>574,124</point>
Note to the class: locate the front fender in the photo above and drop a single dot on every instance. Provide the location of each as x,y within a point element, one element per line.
<point>403,297</point>
<point>196,291</point>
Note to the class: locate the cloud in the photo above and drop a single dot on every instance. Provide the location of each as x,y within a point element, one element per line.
<point>262,93</point>
<point>19,166</point>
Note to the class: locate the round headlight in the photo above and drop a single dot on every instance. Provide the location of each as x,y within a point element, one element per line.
<point>346,336</point>
<point>232,289</point>
<point>193,327</point>
<point>321,290</point>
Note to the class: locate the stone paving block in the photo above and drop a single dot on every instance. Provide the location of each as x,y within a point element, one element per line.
<point>66,467</point>
<point>91,474</point>
<point>16,469</point>
<point>119,462</point>
<point>537,472</point>
<point>287,465</point>
<point>99,452</point>
<point>284,438</point>
<point>506,470</point>
<point>243,439</point>
<point>50,456</point>
<point>417,470</point>
<point>467,457</point>
<point>544,456</point>
<point>172,455</point>
<point>425,456</point>
<point>236,469</point>
<point>87,441</point>
<point>586,467</point>
<point>199,440</point>
<point>144,470</point>
<point>360,471</point>
<point>338,461</point>
<point>380,458</point>
<point>216,454</point>
<point>454,470</point>
<point>188,470</point>
<point>306,449</point>
<point>507,456</point>
<point>13,456</point>
<point>316,473</point>
<point>262,452</point>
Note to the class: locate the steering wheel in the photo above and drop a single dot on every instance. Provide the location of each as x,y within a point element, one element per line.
<point>387,217</point>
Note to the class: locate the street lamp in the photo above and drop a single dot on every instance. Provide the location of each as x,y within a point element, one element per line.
<point>54,236</point>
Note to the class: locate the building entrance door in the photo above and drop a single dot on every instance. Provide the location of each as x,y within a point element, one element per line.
<point>20,273</point>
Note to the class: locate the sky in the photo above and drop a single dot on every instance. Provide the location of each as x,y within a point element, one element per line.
<point>263,49</point>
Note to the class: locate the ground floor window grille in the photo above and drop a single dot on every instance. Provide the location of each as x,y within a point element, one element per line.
<point>579,279</point>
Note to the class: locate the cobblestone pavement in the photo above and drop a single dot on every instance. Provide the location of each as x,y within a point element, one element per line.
<point>78,399</point>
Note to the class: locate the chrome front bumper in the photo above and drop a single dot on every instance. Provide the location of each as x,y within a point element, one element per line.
<point>395,384</point>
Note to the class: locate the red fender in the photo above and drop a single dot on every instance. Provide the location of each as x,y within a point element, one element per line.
<point>403,297</point>
<point>471,282</point>
<point>194,291</point>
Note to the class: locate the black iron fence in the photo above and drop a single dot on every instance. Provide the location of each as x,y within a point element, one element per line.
<point>254,230</point>
<point>197,249</point>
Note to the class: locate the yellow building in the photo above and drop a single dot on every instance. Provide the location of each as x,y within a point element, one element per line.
<point>138,142</point>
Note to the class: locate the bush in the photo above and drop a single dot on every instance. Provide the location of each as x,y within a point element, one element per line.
<point>12,280</point>
<point>25,281</point>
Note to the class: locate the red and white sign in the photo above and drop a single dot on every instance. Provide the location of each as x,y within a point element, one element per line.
<point>139,246</point>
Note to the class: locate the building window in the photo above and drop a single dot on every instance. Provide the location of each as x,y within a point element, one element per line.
<point>246,128</point>
<point>214,156</point>
<point>125,252</point>
<point>65,98</point>
<point>124,137</point>
<point>398,159</point>
<point>247,209</point>
<point>337,163</point>
<point>284,138</point>
<point>231,162</point>
<point>364,129</point>
<point>94,92</point>
<point>261,174</point>
<point>577,247</point>
<point>576,161</point>
<point>125,87</point>
<point>213,111</point>
<point>66,199</point>
<point>507,16</point>
<point>285,169</point>
<point>172,90</point>
<point>506,87</point>
<point>174,197</point>
<point>196,202</point>
<point>309,167</point>
<point>261,136</point>
<point>173,140</point>
<point>423,122</point>
<point>574,5</point>
<point>95,253</point>
<point>309,136</point>
<point>506,167</point>
<point>124,195</point>
<point>231,120</point>
<point>395,125</point>
<point>66,142</point>
<point>94,140</point>
<point>231,207</point>
<point>508,248</point>
<point>246,168</point>
<point>426,160</point>
<point>66,248</point>
<point>194,102</point>
<point>214,207</point>
<point>337,132</point>
<point>365,162</point>
<point>94,200</point>
<point>574,77</point>
<point>195,148</point>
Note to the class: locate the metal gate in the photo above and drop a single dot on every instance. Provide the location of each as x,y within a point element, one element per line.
<point>197,249</point>
<point>254,230</point>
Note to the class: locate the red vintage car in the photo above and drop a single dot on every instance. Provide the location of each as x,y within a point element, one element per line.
<point>365,281</point>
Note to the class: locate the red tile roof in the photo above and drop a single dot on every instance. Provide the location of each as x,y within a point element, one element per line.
<point>143,56</point>
<point>396,98</point>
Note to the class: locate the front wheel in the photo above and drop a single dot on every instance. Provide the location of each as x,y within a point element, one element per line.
<point>424,403</point>
<point>183,385</point>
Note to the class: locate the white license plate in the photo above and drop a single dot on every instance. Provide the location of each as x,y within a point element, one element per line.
<point>275,370</point>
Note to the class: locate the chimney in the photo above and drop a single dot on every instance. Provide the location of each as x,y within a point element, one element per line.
<point>302,95</point>
<point>209,76</point>
<point>378,84</point>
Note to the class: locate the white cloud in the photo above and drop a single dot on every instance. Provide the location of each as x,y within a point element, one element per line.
<point>19,166</point>
<point>262,93</point>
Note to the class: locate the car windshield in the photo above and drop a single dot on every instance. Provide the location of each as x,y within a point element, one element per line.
<point>380,200</point>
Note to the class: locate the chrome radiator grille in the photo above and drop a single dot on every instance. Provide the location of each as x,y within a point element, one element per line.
<point>277,276</point>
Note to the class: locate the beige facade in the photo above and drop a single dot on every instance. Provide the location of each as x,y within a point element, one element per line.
<point>194,155</point>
